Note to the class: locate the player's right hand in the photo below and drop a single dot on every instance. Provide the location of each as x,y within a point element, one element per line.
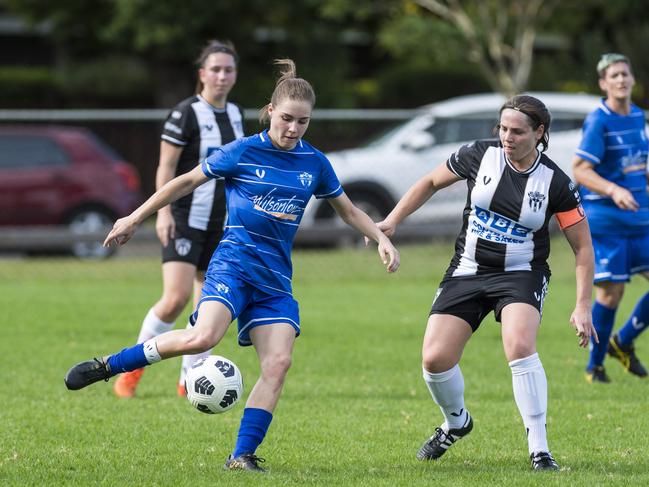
<point>387,228</point>
<point>165,227</point>
<point>624,199</point>
<point>122,231</point>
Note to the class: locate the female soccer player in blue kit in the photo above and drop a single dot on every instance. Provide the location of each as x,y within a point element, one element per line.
<point>269,178</point>
<point>611,167</point>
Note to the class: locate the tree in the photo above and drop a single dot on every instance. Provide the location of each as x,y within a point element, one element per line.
<point>499,35</point>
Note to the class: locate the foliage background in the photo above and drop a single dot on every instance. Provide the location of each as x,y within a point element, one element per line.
<point>367,53</point>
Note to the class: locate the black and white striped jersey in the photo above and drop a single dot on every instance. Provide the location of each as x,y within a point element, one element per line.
<point>506,217</point>
<point>200,128</point>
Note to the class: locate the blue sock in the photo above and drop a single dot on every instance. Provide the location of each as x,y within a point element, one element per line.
<point>128,359</point>
<point>253,428</point>
<point>638,321</point>
<point>603,319</point>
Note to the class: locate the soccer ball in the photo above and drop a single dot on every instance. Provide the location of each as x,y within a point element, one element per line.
<point>214,384</point>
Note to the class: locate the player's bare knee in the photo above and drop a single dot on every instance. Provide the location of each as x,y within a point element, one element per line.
<point>198,341</point>
<point>436,362</point>
<point>519,350</point>
<point>171,305</point>
<point>277,366</point>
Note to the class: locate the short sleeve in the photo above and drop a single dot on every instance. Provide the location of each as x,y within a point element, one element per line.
<point>223,162</point>
<point>462,160</point>
<point>328,185</point>
<point>592,146</point>
<point>180,126</point>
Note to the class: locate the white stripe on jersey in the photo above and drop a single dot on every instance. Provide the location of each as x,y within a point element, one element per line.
<point>210,138</point>
<point>491,171</point>
<point>327,194</point>
<point>253,181</point>
<point>172,140</point>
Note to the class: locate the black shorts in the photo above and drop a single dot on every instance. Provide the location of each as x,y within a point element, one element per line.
<point>192,246</point>
<point>471,298</point>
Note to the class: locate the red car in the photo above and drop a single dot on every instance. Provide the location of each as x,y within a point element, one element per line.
<point>56,175</point>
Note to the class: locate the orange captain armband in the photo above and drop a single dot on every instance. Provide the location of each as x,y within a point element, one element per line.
<point>569,218</point>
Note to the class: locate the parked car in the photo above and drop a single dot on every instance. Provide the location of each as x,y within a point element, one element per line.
<point>56,175</point>
<point>376,175</point>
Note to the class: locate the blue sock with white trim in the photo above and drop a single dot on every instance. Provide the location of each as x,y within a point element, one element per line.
<point>638,321</point>
<point>603,319</point>
<point>253,428</point>
<point>135,357</point>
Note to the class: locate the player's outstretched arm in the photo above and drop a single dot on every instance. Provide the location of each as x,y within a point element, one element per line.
<point>417,195</point>
<point>359,220</point>
<point>124,228</point>
<point>578,236</point>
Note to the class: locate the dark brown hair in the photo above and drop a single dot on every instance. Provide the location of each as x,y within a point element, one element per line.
<point>288,86</point>
<point>537,114</point>
<point>214,46</point>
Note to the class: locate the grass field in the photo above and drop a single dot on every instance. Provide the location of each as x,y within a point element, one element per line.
<point>354,410</point>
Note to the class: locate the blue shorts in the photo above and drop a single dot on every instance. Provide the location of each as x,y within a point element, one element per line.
<point>249,305</point>
<point>617,258</point>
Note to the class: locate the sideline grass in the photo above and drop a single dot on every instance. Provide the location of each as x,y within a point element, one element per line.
<point>354,410</point>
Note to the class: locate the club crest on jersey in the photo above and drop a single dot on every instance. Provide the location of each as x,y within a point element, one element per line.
<point>260,173</point>
<point>536,200</point>
<point>306,179</point>
<point>183,246</point>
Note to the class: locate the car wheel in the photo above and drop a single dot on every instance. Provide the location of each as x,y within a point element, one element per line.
<point>375,207</point>
<point>91,221</point>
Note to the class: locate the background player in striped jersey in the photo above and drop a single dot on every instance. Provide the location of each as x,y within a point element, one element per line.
<point>269,180</point>
<point>190,228</point>
<point>500,264</point>
<point>611,167</point>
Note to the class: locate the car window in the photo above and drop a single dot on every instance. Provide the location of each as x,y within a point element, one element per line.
<point>27,151</point>
<point>566,121</point>
<point>450,130</point>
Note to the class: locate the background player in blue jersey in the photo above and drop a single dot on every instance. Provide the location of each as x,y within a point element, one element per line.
<point>269,179</point>
<point>611,167</point>
<point>500,265</point>
<point>191,228</point>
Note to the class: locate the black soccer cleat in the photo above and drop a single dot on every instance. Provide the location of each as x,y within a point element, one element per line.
<point>437,444</point>
<point>627,357</point>
<point>247,461</point>
<point>542,460</point>
<point>597,374</point>
<point>85,373</point>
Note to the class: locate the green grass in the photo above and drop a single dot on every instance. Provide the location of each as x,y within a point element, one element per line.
<point>354,409</point>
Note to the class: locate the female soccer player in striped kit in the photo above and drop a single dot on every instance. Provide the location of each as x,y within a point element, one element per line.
<point>269,179</point>
<point>611,167</point>
<point>190,228</point>
<point>500,265</point>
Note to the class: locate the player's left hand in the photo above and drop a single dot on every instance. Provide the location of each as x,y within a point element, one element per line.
<point>389,254</point>
<point>582,320</point>
<point>122,231</point>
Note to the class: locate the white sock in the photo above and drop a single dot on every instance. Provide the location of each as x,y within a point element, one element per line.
<point>151,351</point>
<point>190,360</point>
<point>531,395</point>
<point>447,389</point>
<point>152,326</point>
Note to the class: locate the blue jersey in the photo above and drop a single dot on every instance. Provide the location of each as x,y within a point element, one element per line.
<point>617,147</point>
<point>267,190</point>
